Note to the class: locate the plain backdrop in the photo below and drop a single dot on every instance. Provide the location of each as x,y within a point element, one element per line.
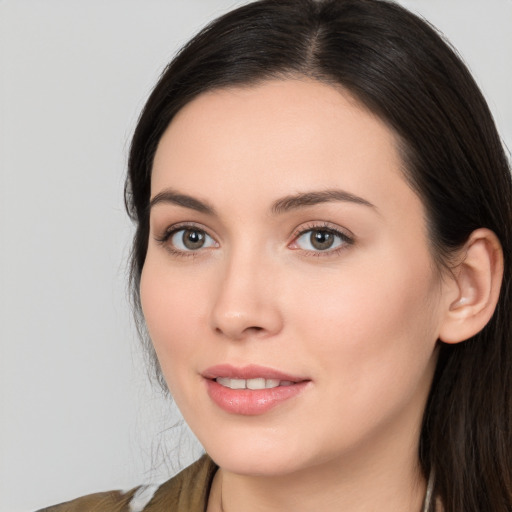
<point>77,414</point>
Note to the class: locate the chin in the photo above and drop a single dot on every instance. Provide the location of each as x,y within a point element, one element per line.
<point>257,455</point>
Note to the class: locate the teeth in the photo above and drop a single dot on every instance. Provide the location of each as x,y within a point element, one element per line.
<point>255,384</point>
<point>258,383</point>
<point>272,383</point>
<point>237,384</point>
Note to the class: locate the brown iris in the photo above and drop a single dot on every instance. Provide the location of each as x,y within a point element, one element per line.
<point>321,239</point>
<point>193,239</point>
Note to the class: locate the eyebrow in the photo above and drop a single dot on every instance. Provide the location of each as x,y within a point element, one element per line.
<point>283,205</point>
<point>173,197</point>
<point>302,200</point>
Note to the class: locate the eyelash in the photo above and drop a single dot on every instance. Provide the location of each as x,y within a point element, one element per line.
<point>172,230</point>
<point>345,238</point>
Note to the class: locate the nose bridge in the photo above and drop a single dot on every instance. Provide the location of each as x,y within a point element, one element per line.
<point>245,303</point>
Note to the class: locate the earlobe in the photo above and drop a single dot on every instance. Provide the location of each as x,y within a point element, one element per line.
<point>477,279</point>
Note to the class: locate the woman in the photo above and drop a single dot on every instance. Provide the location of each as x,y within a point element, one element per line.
<point>322,260</point>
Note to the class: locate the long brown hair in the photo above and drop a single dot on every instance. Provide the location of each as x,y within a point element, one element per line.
<point>402,70</point>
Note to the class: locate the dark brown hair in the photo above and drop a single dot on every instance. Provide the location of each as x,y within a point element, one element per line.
<point>400,68</point>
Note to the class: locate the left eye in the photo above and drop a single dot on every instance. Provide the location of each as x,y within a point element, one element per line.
<point>320,240</point>
<point>191,240</point>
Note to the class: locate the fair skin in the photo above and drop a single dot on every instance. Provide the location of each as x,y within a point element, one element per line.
<point>337,290</point>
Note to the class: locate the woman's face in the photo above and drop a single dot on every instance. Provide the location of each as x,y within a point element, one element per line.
<point>286,251</point>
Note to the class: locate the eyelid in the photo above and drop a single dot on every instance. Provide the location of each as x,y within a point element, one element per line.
<point>346,236</point>
<point>170,231</point>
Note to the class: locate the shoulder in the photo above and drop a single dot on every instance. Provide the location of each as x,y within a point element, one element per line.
<point>188,492</point>
<point>112,501</point>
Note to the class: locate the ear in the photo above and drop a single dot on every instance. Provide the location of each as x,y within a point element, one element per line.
<point>477,283</point>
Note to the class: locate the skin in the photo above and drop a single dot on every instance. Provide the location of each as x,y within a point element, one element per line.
<point>360,321</point>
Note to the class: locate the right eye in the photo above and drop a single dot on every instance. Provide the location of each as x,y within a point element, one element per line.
<point>190,239</point>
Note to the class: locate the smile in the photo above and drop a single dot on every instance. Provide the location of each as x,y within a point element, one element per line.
<point>257,383</point>
<point>251,390</point>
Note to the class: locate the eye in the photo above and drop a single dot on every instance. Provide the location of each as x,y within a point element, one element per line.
<point>190,239</point>
<point>320,240</point>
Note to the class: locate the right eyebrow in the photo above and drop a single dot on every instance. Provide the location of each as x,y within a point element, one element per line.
<point>172,197</point>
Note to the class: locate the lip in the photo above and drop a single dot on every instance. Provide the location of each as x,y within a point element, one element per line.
<point>252,371</point>
<point>249,402</point>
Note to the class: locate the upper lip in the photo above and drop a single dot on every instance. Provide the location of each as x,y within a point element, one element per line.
<point>252,371</point>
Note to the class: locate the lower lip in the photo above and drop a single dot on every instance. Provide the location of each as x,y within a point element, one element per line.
<point>250,402</point>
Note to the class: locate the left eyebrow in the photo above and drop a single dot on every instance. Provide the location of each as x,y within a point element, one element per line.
<point>304,199</point>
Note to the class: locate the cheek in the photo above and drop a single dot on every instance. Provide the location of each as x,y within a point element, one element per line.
<point>374,333</point>
<point>172,312</point>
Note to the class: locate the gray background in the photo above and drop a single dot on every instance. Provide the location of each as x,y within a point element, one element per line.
<point>76,412</point>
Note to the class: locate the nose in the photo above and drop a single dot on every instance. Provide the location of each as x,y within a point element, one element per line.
<point>246,304</point>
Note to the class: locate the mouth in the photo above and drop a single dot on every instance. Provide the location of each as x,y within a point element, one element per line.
<point>251,390</point>
<point>257,383</point>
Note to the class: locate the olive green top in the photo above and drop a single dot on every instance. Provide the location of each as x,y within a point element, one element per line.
<point>188,491</point>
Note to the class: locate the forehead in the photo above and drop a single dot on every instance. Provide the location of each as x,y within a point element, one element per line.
<point>277,138</point>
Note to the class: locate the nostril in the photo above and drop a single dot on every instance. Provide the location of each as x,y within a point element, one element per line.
<point>244,319</point>
<point>253,330</point>
<point>248,330</point>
